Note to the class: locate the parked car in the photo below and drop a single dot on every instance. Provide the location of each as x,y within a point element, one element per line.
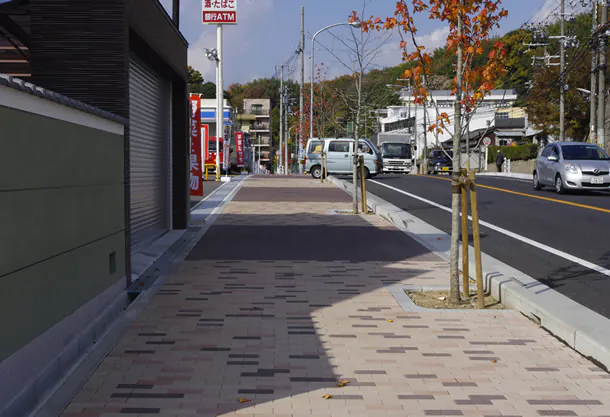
<point>339,156</point>
<point>439,161</point>
<point>572,166</point>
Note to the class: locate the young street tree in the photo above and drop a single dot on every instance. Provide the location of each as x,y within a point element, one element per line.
<point>470,24</point>
<point>361,49</point>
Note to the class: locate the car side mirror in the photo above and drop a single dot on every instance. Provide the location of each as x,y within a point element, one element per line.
<point>552,158</point>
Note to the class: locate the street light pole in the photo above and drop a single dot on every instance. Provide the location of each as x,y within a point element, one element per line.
<point>311,76</point>
<point>214,55</point>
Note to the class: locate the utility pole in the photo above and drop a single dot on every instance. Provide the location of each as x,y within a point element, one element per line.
<point>281,159</point>
<point>562,85</point>
<point>601,93</point>
<point>286,133</point>
<point>594,61</point>
<point>301,95</point>
<point>425,137</point>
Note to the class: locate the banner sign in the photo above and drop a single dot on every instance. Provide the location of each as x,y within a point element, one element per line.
<point>226,155</point>
<point>216,12</point>
<point>239,148</point>
<point>196,181</point>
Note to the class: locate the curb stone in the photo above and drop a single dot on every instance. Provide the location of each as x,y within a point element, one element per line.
<point>506,175</point>
<point>579,327</point>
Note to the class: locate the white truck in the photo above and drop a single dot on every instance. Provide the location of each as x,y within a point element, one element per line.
<point>397,153</point>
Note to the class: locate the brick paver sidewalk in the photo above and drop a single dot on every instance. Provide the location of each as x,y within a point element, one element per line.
<point>284,297</point>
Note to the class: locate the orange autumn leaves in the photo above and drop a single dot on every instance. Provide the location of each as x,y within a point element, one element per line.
<point>482,61</point>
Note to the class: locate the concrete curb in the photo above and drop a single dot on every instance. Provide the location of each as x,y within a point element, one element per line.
<point>506,175</point>
<point>196,206</point>
<point>582,329</point>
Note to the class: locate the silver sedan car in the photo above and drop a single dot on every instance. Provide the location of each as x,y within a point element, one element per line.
<point>572,166</point>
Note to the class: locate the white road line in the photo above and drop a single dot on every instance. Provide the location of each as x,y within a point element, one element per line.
<point>508,233</point>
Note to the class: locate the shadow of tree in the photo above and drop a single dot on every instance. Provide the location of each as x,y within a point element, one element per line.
<point>254,291</point>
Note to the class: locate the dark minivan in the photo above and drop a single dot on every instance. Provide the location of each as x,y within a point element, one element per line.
<point>439,161</point>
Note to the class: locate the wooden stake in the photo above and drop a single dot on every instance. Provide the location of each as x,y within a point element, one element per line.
<point>363,184</point>
<point>323,166</point>
<point>465,242</point>
<point>477,241</point>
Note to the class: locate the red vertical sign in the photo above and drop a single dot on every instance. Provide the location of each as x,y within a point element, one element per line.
<point>239,148</point>
<point>196,182</point>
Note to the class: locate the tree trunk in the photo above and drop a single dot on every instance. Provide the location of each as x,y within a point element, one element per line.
<point>454,271</point>
<point>356,138</point>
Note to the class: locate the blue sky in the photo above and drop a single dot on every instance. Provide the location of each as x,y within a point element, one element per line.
<point>267,33</point>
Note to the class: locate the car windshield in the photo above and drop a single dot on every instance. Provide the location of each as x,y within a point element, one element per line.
<point>440,154</point>
<point>402,150</point>
<point>583,153</point>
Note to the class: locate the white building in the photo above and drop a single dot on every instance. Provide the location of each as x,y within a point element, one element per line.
<point>414,119</point>
<point>256,121</point>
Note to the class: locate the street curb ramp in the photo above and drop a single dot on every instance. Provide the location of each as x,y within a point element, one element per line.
<point>579,327</point>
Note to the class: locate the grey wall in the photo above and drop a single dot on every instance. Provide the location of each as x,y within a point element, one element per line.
<point>62,216</point>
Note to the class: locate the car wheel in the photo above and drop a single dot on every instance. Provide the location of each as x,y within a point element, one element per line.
<point>559,188</point>
<point>537,185</point>
<point>316,172</point>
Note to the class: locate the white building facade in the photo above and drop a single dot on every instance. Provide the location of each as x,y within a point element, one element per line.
<point>414,119</point>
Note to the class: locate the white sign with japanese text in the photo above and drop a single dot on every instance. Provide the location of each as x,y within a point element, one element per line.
<point>216,12</point>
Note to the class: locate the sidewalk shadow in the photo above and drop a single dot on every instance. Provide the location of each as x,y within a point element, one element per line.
<point>262,286</point>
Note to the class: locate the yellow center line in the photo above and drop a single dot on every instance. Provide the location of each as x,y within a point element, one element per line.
<point>553,200</point>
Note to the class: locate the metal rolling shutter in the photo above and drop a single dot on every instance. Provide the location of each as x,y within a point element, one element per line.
<point>149,139</point>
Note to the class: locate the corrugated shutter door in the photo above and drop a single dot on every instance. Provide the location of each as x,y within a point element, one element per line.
<point>149,140</point>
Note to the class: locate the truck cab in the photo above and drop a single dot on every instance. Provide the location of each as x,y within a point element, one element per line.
<point>397,157</point>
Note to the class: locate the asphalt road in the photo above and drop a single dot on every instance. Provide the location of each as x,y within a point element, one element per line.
<point>576,224</point>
